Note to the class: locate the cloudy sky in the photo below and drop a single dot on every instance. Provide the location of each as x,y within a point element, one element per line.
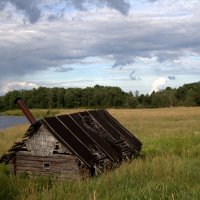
<point>139,45</point>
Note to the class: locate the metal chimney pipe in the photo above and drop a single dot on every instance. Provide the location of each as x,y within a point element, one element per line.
<point>25,110</point>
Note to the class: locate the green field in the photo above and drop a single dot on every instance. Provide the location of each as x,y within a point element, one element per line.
<point>169,169</point>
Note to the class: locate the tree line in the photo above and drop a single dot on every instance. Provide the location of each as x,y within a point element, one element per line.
<point>102,97</point>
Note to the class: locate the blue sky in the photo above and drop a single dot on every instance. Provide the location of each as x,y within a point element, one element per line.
<point>142,45</point>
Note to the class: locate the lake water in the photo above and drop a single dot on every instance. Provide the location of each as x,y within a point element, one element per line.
<point>8,121</point>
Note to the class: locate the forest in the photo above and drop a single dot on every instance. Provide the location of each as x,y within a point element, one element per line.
<point>102,97</point>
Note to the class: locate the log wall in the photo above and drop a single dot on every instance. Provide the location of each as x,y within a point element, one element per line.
<point>60,166</point>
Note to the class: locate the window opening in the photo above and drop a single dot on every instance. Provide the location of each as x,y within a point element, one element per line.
<point>46,165</point>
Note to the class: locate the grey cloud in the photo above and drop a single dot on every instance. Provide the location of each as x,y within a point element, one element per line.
<point>122,62</point>
<point>64,69</point>
<point>79,4</point>
<point>135,78</point>
<point>132,77</point>
<point>27,49</point>
<point>164,56</point>
<point>52,17</point>
<point>153,0</point>
<point>122,6</point>
<point>172,77</point>
<point>2,4</point>
<point>33,11</point>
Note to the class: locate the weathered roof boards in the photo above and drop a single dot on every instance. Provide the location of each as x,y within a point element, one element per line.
<point>94,137</point>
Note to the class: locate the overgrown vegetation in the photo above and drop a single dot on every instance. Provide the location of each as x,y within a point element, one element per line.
<point>102,97</point>
<point>169,170</point>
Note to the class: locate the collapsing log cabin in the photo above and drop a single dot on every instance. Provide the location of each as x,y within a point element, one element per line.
<point>73,146</point>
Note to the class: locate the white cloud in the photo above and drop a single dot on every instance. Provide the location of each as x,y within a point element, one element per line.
<point>159,84</point>
<point>8,86</point>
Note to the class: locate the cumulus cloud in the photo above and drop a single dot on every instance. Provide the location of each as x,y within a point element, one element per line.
<point>159,84</point>
<point>14,85</point>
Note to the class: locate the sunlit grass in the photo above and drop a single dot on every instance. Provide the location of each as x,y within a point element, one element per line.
<point>170,168</point>
<point>10,135</point>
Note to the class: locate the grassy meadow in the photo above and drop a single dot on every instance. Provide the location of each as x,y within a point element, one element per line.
<point>169,169</point>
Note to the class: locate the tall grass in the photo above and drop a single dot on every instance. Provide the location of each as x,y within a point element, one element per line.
<point>170,168</point>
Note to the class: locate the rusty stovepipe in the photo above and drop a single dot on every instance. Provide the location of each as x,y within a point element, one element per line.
<point>25,110</point>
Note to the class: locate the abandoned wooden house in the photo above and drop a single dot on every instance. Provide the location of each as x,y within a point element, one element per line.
<point>71,146</point>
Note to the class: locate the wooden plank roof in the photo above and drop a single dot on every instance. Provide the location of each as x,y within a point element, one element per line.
<point>94,132</point>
